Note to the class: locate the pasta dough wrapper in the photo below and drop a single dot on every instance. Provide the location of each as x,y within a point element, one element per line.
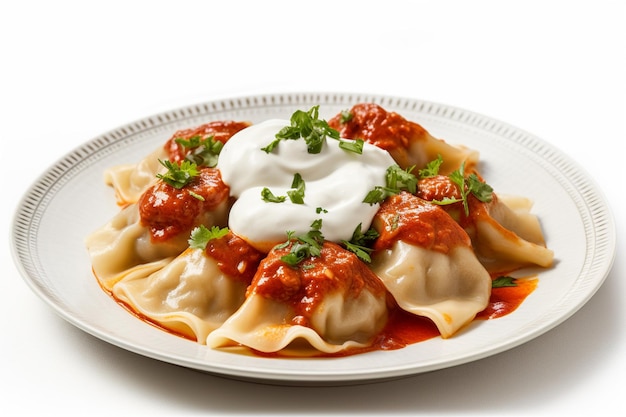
<point>347,315</point>
<point>408,142</point>
<point>130,181</point>
<point>190,296</point>
<point>123,247</point>
<point>506,236</point>
<point>450,289</point>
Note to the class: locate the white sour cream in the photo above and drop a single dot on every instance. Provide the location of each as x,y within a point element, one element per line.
<point>336,181</point>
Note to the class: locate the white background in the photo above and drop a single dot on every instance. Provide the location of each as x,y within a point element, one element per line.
<point>70,71</point>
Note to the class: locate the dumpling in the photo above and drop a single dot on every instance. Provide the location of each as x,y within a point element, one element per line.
<point>195,293</point>
<point>328,303</point>
<point>145,236</point>
<point>130,181</point>
<point>504,234</point>
<point>408,143</point>
<point>425,260</point>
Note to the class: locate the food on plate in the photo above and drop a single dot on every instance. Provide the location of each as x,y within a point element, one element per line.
<point>407,142</point>
<point>307,237</point>
<point>200,145</point>
<point>426,261</point>
<point>146,235</point>
<point>333,301</point>
<point>198,290</point>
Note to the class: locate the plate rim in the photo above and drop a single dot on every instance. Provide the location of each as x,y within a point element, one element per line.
<point>27,213</point>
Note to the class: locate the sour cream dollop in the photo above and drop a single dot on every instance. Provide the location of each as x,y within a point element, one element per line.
<point>336,182</point>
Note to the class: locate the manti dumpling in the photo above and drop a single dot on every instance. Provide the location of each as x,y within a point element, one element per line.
<point>195,293</point>
<point>145,236</point>
<point>130,181</point>
<point>426,262</point>
<point>504,234</point>
<point>328,303</point>
<point>408,142</point>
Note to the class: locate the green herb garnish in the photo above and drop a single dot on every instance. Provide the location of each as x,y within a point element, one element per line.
<point>432,168</point>
<point>360,243</point>
<point>396,180</point>
<point>504,281</point>
<point>269,197</point>
<point>305,246</point>
<point>471,184</point>
<point>308,126</point>
<point>201,236</point>
<point>355,146</point>
<point>178,175</point>
<point>296,195</point>
<point>202,152</point>
<point>345,117</point>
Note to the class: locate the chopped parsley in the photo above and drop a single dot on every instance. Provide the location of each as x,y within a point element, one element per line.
<point>360,243</point>
<point>269,197</point>
<point>304,246</point>
<point>202,152</point>
<point>432,168</point>
<point>345,117</point>
<point>296,195</point>
<point>396,180</point>
<point>504,281</point>
<point>201,236</point>
<point>308,126</point>
<point>355,146</point>
<point>178,175</point>
<point>470,184</point>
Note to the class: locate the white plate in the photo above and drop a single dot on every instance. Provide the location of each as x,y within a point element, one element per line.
<point>70,200</point>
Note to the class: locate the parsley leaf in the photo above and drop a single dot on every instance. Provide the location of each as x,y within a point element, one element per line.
<point>178,175</point>
<point>308,126</point>
<point>305,246</point>
<point>355,146</point>
<point>396,180</point>
<point>504,281</point>
<point>202,152</point>
<point>432,168</point>
<point>359,243</point>
<point>201,235</point>
<point>482,191</point>
<point>346,117</point>
<point>269,197</point>
<point>297,194</point>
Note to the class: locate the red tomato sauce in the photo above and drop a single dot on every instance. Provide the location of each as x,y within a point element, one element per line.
<point>305,286</point>
<point>405,329</point>
<point>168,211</point>
<point>505,300</point>
<point>375,125</point>
<point>410,219</point>
<point>221,131</point>
<point>235,257</point>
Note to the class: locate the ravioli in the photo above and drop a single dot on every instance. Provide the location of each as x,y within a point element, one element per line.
<point>196,292</point>
<point>407,142</point>
<point>130,181</point>
<point>147,235</point>
<point>505,235</point>
<point>426,261</point>
<point>330,303</point>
